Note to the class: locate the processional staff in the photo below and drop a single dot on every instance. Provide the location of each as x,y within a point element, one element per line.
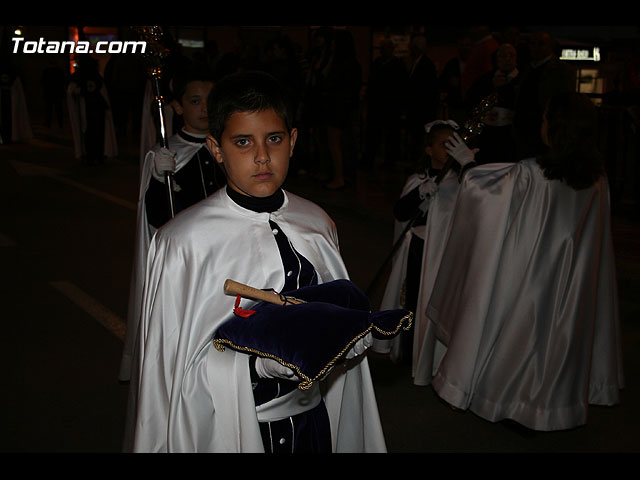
<point>155,53</point>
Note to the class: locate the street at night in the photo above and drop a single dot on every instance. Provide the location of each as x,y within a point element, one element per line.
<point>367,118</point>
<point>66,246</point>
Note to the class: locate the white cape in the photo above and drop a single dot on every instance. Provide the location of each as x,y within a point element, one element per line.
<point>427,349</point>
<point>184,151</point>
<point>193,398</point>
<point>433,233</point>
<point>526,299</point>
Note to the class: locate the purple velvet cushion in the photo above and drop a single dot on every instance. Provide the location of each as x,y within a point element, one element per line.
<point>311,337</point>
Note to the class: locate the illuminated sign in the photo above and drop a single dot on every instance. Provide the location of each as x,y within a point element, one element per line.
<point>188,43</point>
<point>583,54</point>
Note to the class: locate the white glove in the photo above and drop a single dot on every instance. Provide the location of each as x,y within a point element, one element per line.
<point>428,189</point>
<point>163,160</point>
<point>268,368</point>
<point>459,151</point>
<point>360,346</point>
<point>424,206</point>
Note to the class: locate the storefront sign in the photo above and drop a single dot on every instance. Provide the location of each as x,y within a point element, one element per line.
<point>582,54</point>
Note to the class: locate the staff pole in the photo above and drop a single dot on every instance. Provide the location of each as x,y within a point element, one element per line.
<point>155,53</point>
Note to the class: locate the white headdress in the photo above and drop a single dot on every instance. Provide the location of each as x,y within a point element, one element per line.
<point>451,123</point>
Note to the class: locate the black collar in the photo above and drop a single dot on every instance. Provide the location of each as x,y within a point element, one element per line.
<point>433,172</point>
<point>190,138</point>
<point>257,204</point>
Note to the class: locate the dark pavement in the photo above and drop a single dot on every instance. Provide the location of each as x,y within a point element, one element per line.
<point>66,240</point>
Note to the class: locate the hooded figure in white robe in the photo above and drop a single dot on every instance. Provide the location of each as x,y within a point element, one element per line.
<point>88,105</point>
<point>15,125</point>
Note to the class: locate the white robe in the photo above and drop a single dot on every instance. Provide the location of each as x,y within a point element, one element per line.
<point>526,299</point>
<point>194,398</point>
<point>432,233</point>
<point>184,151</point>
<point>20,124</point>
<point>427,349</point>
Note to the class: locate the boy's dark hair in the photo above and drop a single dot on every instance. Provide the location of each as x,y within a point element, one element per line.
<point>249,91</point>
<point>573,155</point>
<point>192,74</point>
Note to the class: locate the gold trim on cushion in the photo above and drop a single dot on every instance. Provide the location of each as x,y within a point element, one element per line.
<point>306,381</point>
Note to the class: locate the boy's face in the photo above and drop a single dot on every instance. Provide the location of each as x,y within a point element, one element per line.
<point>437,151</point>
<point>193,107</point>
<point>254,151</point>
